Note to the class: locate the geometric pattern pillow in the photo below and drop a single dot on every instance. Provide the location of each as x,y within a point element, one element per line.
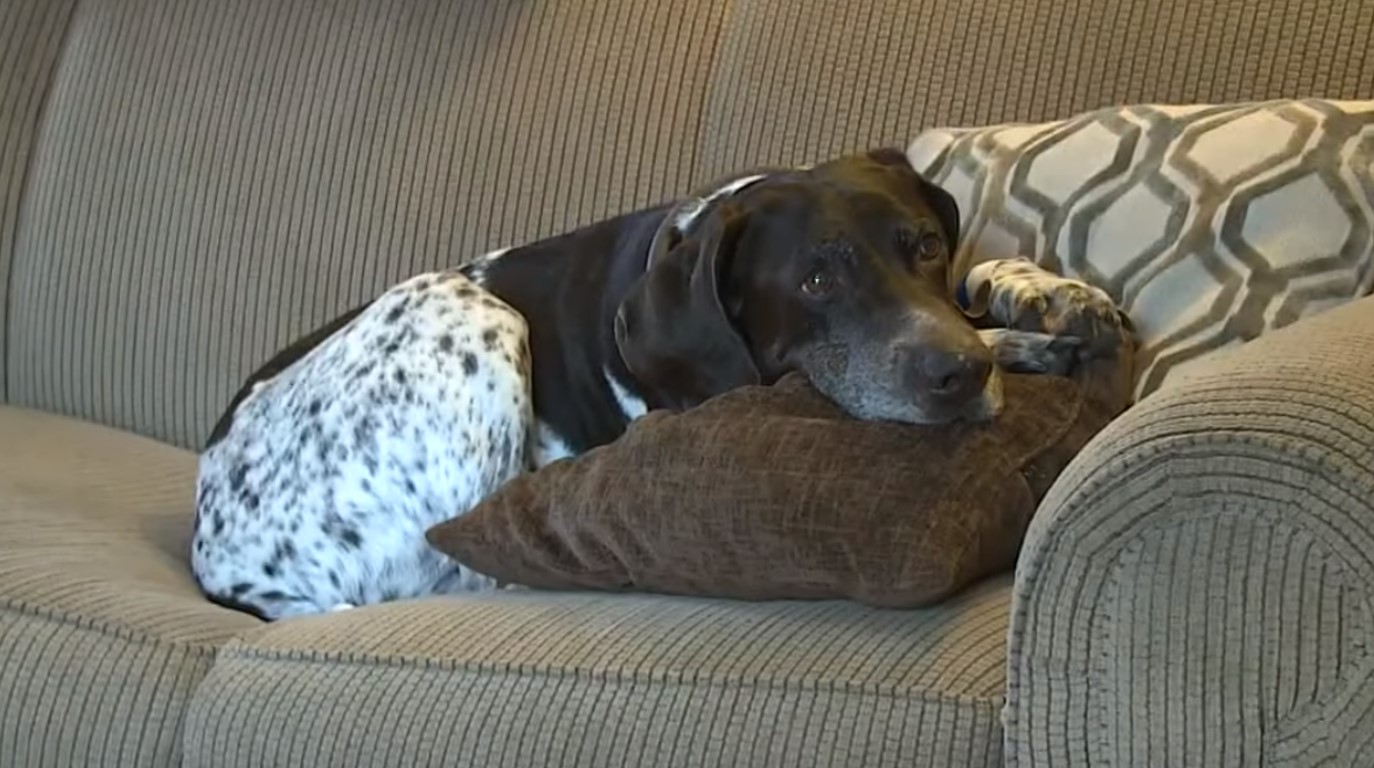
<point>1209,224</point>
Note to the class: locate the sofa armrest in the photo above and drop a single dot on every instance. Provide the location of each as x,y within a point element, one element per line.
<point>1197,587</point>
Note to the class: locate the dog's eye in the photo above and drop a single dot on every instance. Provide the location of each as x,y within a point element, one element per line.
<point>818,283</point>
<point>930,246</point>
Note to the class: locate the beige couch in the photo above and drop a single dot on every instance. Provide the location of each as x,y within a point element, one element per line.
<point>186,185</point>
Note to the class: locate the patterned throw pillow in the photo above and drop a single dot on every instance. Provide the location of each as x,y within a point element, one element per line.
<point>1210,224</point>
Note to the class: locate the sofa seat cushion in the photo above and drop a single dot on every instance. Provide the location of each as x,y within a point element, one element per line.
<point>523,678</point>
<point>103,634</point>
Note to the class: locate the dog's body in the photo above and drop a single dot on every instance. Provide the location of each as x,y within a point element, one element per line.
<point>318,484</point>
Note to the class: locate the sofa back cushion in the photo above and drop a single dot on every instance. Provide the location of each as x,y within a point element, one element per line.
<point>211,180</point>
<point>215,179</point>
<point>31,36</point>
<point>797,80</point>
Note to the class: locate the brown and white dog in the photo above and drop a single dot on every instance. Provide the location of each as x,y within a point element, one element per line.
<point>318,484</point>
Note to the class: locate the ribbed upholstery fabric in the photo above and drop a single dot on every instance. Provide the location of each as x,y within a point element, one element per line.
<point>216,178</point>
<point>801,80</point>
<point>103,636</point>
<point>533,679</point>
<point>186,185</point>
<point>31,37</point>
<point>1198,589</point>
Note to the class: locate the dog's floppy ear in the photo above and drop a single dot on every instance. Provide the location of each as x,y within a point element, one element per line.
<point>941,203</point>
<point>946,210</point>
<point>673,330</point>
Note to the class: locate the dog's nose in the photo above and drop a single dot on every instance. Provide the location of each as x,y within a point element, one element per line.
<point>948,374</point>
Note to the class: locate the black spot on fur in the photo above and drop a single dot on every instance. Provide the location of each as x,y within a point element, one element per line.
<point>251,500</point>
<point>364,431</point>
<point>284,550</point>
<point>367,485</point>
<point>334,579</point>
<point>363,370</point>
<point>489,337</point>
<point>397,311</point>
<point>236,605</point>
<point>446,343</point>
<point>464,291</point>
<point>218,521</point>
<point>324,445</point>
<point>469,363</point>
<point>491,386</point>
<point>273,594</point>
<point>270,570</point>
<point>410,486</point>
<point>238,476</point>
<point>391,348</point>
<point>240,588</point>
<point>400,376</point>
<point>351,537</point>
<point>315,406</point>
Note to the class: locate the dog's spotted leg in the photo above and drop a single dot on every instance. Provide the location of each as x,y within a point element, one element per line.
<point>1018,295</point>
<point>318,495</point>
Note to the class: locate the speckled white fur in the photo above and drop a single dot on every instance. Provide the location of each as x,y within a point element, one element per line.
<point>319,495</point>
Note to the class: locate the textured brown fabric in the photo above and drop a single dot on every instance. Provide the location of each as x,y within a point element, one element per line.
<point>103,636</point>
<point>532,679</point>
<point>217,178</point>
<point>31,37</point>
<point>773,493</point>
<point>801,80</point>
<point>1199,588</point>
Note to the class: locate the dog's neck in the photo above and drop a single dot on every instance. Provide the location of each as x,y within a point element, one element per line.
<point>569,289</point>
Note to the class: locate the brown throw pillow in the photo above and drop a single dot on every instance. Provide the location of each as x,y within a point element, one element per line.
<point>773,493</point>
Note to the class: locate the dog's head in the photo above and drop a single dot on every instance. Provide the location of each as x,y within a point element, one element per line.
<point>839,271</point>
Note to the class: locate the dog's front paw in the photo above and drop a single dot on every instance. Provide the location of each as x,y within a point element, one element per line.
<point>1031,352</point>
<point>1021,296</point>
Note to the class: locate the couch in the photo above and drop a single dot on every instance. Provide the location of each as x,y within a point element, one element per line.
<point>185,186</point>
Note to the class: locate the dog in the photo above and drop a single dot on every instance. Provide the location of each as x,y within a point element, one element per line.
<point>318,483</point>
